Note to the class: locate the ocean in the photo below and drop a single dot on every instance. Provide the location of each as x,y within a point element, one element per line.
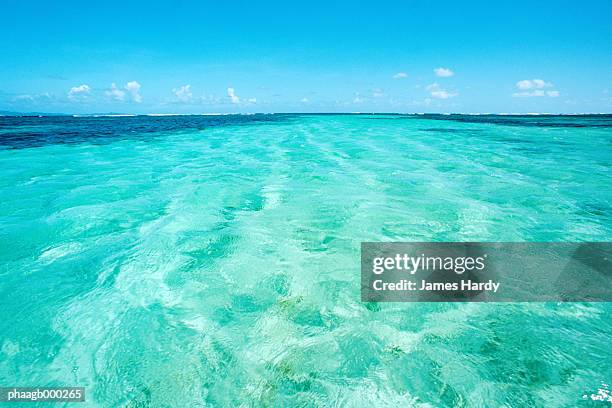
<point>215,260</point>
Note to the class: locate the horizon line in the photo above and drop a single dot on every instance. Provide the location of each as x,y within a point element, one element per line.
<point>76,115</point>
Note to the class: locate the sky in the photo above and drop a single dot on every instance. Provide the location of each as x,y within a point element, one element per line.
<point>316,56</point>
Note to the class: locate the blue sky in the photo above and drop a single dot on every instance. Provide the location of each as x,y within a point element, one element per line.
<point>388,56</point>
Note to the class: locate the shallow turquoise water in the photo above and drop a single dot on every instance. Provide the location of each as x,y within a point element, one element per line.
<point>199,261</point>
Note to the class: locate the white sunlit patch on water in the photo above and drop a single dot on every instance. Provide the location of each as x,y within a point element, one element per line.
<point>603,394</point>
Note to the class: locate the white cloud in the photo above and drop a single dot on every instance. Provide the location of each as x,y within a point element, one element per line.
<point>183,93</point>
<point>534,88</point>
<point>437,92</point>
<point>526,84</point>
<point>304,100</point>
<point>527,94</point>
<point>25,97</point>
<point>442,94</point>
<point>400,75</point>
<point>377,93</point>
<point>444,72</point>
<point>231,93</point>
<point>133,88</point>
<point>252,100</point>
<point>115,93</point>
<point>78,91</point>
<point>42,97</point>
<point>424,102</point>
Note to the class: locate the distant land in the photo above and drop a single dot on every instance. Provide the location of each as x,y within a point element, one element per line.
<point>11,113</point>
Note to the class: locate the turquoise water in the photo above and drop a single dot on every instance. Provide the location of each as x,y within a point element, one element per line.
<point>214,261</point>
